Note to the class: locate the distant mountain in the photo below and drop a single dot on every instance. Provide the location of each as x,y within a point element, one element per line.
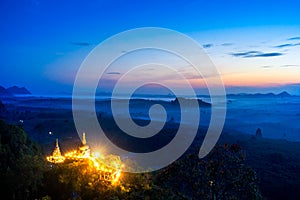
<point>4,92</point>
<point>18,90</point>
<point>284,94</point>
<point>260,95</point>
<point>200,102</point>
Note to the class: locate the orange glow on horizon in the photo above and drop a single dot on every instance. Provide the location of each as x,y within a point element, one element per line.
<point>260,79</point>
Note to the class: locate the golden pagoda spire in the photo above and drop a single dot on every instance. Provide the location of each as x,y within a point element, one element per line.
<point>56,143</point>
<point>56,151</point>
<point>83,139</point>
<point>84,150</point>
<point>56,156</point>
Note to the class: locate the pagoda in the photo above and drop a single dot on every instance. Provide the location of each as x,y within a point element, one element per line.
<point>56,156</point>
<point>81,153</point>
<point>108,167</point>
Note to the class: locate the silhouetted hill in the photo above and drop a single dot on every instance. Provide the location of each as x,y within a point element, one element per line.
<point>284,94</point>
<point>200,101</point>
<point>18,90</point>
<point>4,92</point>
<point>260,95</point>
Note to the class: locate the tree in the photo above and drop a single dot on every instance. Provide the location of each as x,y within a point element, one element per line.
<point>221,175</point>
<point>78,180</point>
<point>21,164</point>
<point>2,107</point>
<point>258,133</point>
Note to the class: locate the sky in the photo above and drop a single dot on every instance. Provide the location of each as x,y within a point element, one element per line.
<point>254,44</point>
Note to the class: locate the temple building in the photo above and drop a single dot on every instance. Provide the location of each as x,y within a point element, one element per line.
<point>109,167</point>
<point>56,156</point>
<point>82,152</point>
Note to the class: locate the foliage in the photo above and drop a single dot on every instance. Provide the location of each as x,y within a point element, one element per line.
<point>2,107</point>
<point>221,175</point>
<point>21,163</point>
<point>25,175</point>
<point>79,181</point>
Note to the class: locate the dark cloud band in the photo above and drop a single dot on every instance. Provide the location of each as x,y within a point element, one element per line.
<point>254,54</point>
<point>81,43</point>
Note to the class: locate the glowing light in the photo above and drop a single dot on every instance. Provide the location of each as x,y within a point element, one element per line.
<point>56,155</point>
<point>109,167</point>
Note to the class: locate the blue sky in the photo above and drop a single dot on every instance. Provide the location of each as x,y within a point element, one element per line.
<point>43,42</point>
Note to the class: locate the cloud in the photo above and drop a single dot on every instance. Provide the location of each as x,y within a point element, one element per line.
<point>267,66</point>
<point>243,54</point>
<point>254,54</point>
<point>294,38</point>
<point>227,44</point>
<point>287,45</point>
<point>206,46</point>
<point>290,66</point>
<point>283,45</point>
<point>81,43</point>
<point>113,73</point>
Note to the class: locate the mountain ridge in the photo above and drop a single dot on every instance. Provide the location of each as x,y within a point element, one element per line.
<point>270,94</point>
<point>13,90</point>
<point>18,90</point>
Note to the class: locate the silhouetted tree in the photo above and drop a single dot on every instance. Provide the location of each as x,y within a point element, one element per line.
<point>2,107</point>
<point>221,175</point>
<point>258,133</point>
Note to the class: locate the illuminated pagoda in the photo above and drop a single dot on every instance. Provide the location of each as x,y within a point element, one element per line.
<point>82,152</point>
<point>108,167</point>
<point>56,156</point>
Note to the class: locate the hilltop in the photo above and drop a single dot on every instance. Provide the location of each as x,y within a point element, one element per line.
<point>258,95</point>
<point>12,91</point>
<point>4,92</point>
<point>18,90</point>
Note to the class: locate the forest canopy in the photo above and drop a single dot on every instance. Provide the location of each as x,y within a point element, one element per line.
<point>25,174</point>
